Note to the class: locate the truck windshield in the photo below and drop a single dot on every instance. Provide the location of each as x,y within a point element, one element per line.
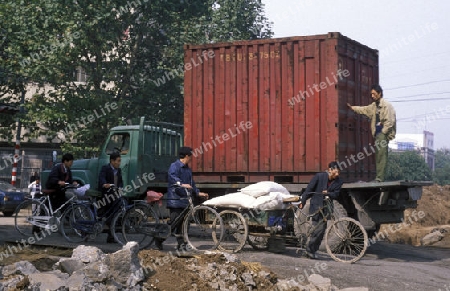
<point>118,142</point>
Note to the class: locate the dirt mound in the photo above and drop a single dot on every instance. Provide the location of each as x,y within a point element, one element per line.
<point>41,257</point>
<point>198,272</point>
<point>433,211</point>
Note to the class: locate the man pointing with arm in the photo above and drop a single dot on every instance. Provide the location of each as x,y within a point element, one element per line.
<point>383,126</point>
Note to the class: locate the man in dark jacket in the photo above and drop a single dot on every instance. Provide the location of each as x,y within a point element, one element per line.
<point>110,174</point>
<point>57,179</point>
<point>179,178</point>
<point>325,185</point>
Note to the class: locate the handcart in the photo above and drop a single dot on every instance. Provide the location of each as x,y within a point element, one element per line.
<point>345,238</point>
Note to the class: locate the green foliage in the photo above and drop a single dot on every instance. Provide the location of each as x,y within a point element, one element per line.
<point>442,167</point>
<point>122,47</point>
<point>408,165</point>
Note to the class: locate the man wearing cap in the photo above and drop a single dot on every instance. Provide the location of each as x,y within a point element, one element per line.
<point>383,125</point>
<point>179,177</point>
<point>324,185</point>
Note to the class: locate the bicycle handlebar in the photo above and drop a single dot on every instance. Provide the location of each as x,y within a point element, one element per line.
<point>70,186</point>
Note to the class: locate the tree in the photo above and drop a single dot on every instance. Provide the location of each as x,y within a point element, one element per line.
<point>407,165</point>
<point>442,167</point>
<point>119,48</point>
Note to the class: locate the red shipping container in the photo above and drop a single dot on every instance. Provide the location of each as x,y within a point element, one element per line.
<point>275,109</point>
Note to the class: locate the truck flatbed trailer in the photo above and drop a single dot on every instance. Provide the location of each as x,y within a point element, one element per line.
<point>371,203</point>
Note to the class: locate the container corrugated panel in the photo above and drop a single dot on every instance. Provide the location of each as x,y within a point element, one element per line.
<point>275,109</point>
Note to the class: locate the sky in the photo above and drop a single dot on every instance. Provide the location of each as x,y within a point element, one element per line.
<point>413,40</point>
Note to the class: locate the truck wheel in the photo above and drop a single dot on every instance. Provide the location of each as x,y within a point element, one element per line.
<point>302,226</point>
<point>338,212</point>
<point>8,213</point>
<point>372,232</point>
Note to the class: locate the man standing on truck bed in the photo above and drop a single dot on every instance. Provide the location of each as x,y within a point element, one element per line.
<point>324,185</point>
<point>110,174</point>
<point>383,125</point>
<point>180,174</point>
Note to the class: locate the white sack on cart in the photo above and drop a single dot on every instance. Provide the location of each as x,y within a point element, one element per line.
<point>231,200</point>
<point>272,201</point>
<point>80,191</point>
<point>264,188</point>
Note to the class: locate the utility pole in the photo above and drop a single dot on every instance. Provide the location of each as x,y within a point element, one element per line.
<point>17,146</point>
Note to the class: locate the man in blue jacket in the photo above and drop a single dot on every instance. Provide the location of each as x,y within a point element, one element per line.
<point>179,179</point>
<point>324,185</point>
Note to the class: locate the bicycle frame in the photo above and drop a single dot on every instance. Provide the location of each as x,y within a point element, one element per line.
<point>47,222</point>
<point>96,226</point>
<point>173,224</point>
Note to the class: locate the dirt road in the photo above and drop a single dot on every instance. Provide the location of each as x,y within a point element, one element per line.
<point>384,267</point>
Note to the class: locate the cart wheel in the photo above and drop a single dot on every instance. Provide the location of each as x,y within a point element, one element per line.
<point>203,228</point>
<point>235,231</point>
<point>346,240</point>
<point>259,243</point>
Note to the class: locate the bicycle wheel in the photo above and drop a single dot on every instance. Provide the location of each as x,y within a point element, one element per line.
<point>26,218</point>
<point>259,243</point>
<point>198,228</point>
<point>235,232</point>
<point>139,224</point>
<point>346,240</point>
<point>116,227</point>
<point>74,222</point>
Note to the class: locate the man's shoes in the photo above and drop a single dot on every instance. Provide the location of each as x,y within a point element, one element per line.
<point>159,244</point>
<point>183,248</point>
<point>311,255</point>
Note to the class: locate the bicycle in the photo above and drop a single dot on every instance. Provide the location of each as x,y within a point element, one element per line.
<point>199,222</point>
<point>345,238</point>
<point>82,220</point>
<point>34,213</point>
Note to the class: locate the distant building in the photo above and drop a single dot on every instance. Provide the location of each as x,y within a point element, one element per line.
<point>421,142</point>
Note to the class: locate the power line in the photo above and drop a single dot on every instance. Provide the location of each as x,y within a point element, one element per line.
<point>417,95</point>
<point>427,99</point>
<point>415,85</point>
<point>401,120</point>
<point>426,117</point>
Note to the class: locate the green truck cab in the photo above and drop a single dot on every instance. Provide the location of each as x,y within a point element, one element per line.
<point>146,149</point>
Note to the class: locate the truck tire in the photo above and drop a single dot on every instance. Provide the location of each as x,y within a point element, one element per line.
<point>372,232</point>
<point>339,210</point>
<point>302,226</point>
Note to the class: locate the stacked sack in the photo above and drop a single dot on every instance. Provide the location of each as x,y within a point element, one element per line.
<point>265,195</point>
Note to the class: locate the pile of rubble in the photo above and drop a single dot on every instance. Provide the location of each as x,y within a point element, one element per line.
<point>128,269</point>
